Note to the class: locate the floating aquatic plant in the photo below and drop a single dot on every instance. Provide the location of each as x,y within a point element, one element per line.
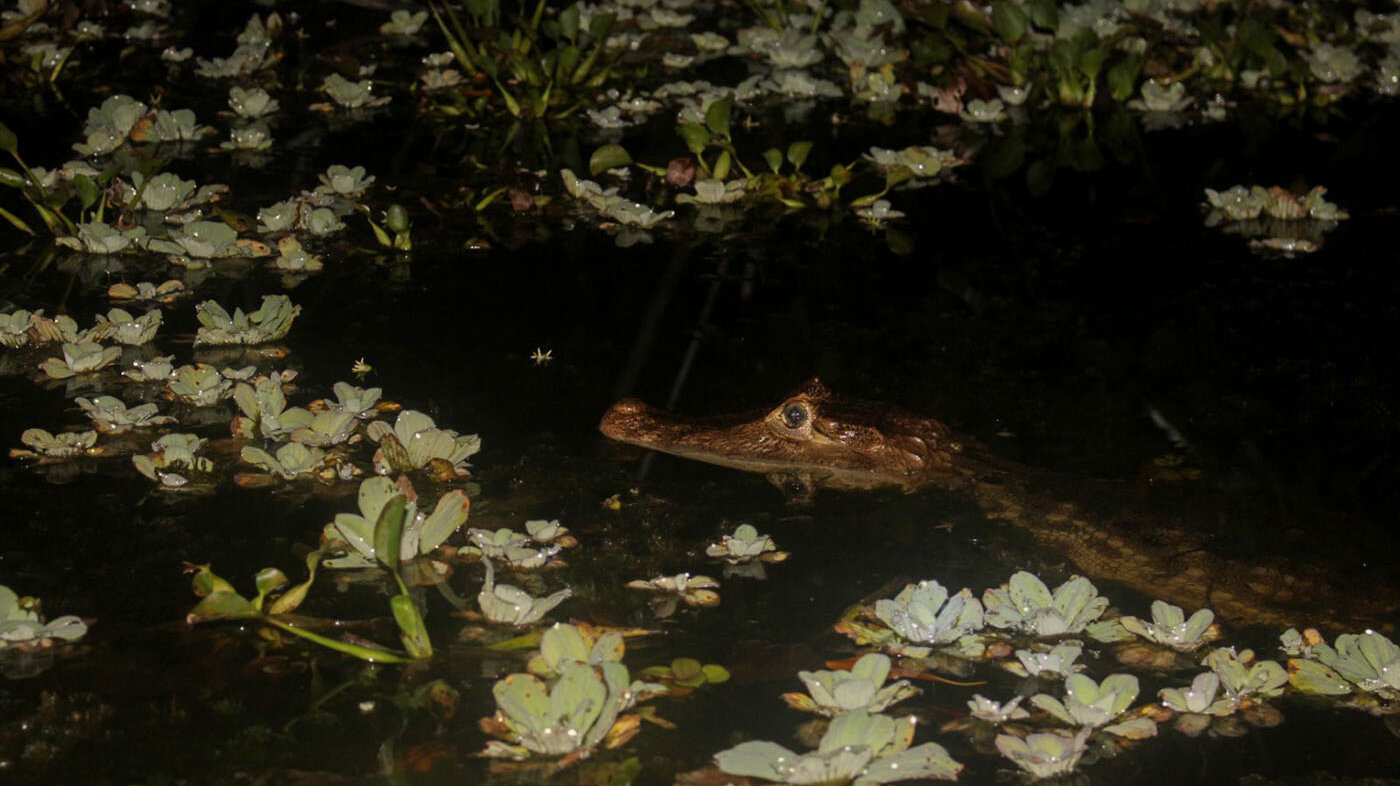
<point>421,532</point>
<point>352,95</point>
<point>516,549</point>
<point>1198,705</point>
<point>1025,603</point>
<point>925,614</point>
<point>199,385</point>
<point>1045,754</point>
<point>198,240</point>
<point>288,462</point>
<point>64,445</point>
<point>110,415</point>
<point>123,327</point>
<point>164,292</point>
<point>1363,663</point>
<point>510,605</point>
<point>415,442</point>
<point>1242,676</point>
<point>172,458</point>
<point>857,748</point>
<point>276,596</point>
<point>95,237</point>
<point>692,590</point>
<point>863,687</point>
<point>1059,660</point>
<point>269,322</point>
<point>1171,628</point>
<point>746,545</point>
<point>562,644</point>
<point>84,357</point>
<point>252,103</point>
<point>581,711</point>
<point>342,181</point>
<point>265,412</point>
<point>22,624</point>
<point>1098,705</point>
<point>360,403</point>
<point>984,709</point>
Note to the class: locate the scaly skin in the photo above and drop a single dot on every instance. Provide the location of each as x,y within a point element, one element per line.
<point>832,442</point>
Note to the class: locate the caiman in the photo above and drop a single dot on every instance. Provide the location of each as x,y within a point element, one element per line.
<point>817,439</point>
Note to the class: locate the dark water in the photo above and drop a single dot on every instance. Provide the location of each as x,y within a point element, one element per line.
<point>1045,324</point>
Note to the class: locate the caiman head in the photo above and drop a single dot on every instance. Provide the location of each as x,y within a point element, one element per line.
<point>836,442</point>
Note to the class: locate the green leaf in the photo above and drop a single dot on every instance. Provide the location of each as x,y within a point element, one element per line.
<point>1122,77</point>
<point>412,632</point>
<point>8,141</point>
<point>1044,13</point>
<point>721,170</point>
<point>774,158</point>
<point>388,531</point>
<point>292,598</point>
<point>607,157</point>
<point>222,606</point>
<point>267,580</point>
<point>696,136</point>
<point>396,218</point>
<point>88,192</point>
<point>717,115</point>
<point>1009,20</point>
<point>715,673</point>
<point>797,154</point>
<point>11,178</point>
<point>601,24</point>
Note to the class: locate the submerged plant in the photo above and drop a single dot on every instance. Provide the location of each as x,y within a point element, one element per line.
<point>857,748</point>
<point>832,693</point>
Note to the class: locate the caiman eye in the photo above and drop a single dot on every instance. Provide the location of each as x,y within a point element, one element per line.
<point>794,415</point>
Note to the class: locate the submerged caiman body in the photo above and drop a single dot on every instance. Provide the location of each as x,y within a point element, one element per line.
<point>816,439</point>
